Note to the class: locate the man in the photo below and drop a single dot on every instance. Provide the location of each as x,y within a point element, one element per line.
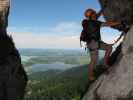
<point>91,35</point>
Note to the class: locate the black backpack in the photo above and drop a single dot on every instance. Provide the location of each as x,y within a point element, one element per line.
<point>90,31</point>
<point>84,36</point>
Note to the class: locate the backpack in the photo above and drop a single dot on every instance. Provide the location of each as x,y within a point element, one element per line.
<point>90,31</point>
<point>83,36</point>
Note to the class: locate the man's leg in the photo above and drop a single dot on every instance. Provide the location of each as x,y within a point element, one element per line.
<point>93,46</point>
<point>108,50</point>
<point>93,56</point>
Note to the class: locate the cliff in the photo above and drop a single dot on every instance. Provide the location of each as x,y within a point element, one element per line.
<point>118,83</point>
<point>13,78</point>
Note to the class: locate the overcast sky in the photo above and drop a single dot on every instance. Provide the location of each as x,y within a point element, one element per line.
<point>51,23</point>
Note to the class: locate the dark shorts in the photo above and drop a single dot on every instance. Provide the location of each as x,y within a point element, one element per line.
<point>96,45</point>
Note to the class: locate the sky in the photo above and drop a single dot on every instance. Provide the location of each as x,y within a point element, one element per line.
<point>51,23</point>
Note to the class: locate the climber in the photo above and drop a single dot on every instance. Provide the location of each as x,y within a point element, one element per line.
<point>91,36</point>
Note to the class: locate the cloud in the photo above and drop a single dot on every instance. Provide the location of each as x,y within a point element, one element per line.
<point>60,29</point>
<point>67,28</point>
<point>62,35</point>
<point>24,40</point>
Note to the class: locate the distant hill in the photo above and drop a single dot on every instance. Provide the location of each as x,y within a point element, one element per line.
<point>58,85</point>
<point>44,74</point>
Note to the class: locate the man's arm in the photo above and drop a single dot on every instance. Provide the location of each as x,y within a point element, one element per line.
<point>102,10</point>
<point>111,23</point>
<point>99,13</point>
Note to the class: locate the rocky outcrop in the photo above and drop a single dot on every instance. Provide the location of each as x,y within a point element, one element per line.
<point>118,83</point>
<point>13,78</point>
<point>4,11</point>
<point>118,10</point>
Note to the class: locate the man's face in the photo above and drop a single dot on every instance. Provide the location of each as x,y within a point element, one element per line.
<point>91,14</point>
<point>88,13</point>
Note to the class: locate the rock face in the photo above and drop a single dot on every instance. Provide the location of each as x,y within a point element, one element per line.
<point>13,78</point>
<point>118,10</point>
<point>4,11</point>
<point>118,83</point>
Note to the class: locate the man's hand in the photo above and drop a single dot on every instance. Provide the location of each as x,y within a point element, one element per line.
<point>99,13</point>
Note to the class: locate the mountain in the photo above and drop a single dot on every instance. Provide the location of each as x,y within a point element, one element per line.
<point>44,74</point>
